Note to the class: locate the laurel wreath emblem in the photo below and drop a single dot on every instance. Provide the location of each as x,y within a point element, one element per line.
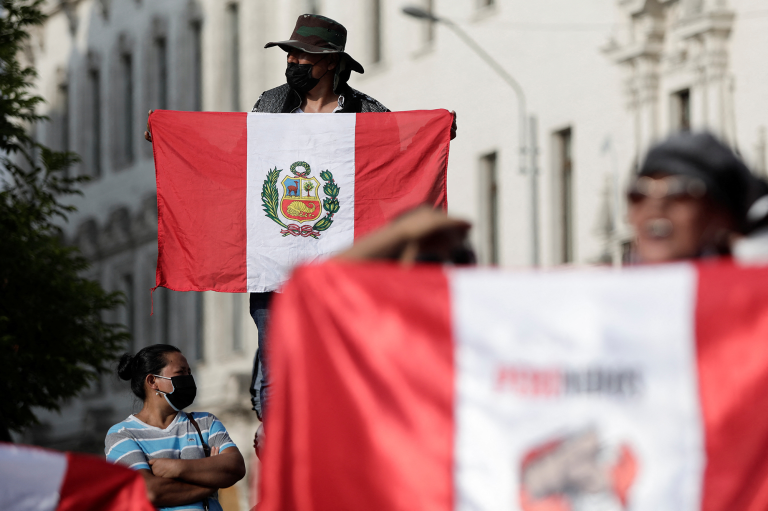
<point>303,164</point>
<point>270,201</point>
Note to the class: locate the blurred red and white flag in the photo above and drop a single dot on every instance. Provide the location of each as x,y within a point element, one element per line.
<point>243,198</point>
<point>33,479</point>
<point>477,389</point>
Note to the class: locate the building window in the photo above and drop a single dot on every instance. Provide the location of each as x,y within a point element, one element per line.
<point>161,49</point>
<point>627,253</point>
<point>564,173</point>
<point>681,110</point>
<point>197,65</point>
<point>489,204</point>
<point>199,324</point>
<point>376,44</point>
<point>63,129</point>
<point>94,144</point>
<point>237,322</point>
<point>161,319</point>
<point>130,308</point>
<point>63,93</point>
<point>165,316</point>
<point>233,13</point>
<point>104,9</point>
<point>126,72</point>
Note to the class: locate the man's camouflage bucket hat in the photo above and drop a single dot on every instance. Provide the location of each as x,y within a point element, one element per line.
<point>317,34</point>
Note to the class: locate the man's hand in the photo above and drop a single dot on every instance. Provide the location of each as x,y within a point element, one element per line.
<point>454,127</point>
<point>148,134</point>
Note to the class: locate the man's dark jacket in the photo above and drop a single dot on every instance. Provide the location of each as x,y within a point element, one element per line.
<point>285,100</point>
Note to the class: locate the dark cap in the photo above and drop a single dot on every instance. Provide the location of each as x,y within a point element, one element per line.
<point>729,182</point>
<point>317,34</point>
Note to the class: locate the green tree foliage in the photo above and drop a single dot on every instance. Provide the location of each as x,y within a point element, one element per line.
<point>53,340</point>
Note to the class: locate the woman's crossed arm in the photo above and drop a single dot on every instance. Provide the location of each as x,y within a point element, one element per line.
<point>220,470</point>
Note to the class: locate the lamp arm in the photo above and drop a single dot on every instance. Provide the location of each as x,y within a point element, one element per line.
<point>505,76</point>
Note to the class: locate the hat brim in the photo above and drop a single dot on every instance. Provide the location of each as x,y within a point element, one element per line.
<point>309,48</point>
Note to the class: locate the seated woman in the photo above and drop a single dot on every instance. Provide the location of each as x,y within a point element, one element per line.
<point>184,457</point>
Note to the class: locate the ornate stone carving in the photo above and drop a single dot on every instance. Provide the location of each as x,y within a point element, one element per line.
<point>116,236</point>
<point>122,231</point>
<point>671,45</point>
<point>144,225</point>
<point>87,239</point>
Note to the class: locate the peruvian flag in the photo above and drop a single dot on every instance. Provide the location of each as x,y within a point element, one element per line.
<point>478,389</point>
<point>33,479</point>
<point>243,198</point>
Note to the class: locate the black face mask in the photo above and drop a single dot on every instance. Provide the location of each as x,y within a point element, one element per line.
<point>299,76</point>
<point>184,391</point>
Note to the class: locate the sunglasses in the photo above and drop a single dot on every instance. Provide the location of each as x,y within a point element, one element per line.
<point>668,187</point>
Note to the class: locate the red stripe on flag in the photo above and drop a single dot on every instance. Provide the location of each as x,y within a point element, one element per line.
<point>414,146</point>
<point>362,410</point>
<point>732,342</point>
<point>91,483</point>
<point>201,160</point>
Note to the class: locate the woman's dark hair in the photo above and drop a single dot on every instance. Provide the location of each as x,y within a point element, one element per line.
<point>149,360</point>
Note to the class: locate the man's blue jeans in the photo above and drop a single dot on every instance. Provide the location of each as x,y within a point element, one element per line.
<point>260,383</point>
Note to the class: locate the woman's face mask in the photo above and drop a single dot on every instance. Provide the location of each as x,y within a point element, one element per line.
<point>184,391</point>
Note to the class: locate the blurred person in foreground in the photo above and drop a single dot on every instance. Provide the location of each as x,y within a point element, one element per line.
<point>421,235</point>
<point>184,457</point>
<point>689,200</point>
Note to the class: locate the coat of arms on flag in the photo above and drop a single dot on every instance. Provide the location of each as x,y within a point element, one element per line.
<point>300,201</point>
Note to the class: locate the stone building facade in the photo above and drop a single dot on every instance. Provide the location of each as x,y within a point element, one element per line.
<point>603,78</point>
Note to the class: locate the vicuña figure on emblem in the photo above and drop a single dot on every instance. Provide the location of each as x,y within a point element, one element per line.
<point>293,205</point>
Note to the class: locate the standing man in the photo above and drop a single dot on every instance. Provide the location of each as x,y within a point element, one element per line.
<point>316,82</point>
<point>316,75</point>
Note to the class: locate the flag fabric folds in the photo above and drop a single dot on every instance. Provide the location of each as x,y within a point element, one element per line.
<point>435,389</point>
<point>33,479</point>
<point>243,198</point>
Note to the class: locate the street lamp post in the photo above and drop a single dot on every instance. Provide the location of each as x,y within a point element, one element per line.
<point>419,13</point>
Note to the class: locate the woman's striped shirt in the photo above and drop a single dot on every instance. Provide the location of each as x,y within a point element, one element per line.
<point>133,443</point>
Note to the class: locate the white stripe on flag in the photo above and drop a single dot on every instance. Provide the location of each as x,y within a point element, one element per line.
<point>564,387</point>
<point>30,478</point>
<point>325,142</point>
